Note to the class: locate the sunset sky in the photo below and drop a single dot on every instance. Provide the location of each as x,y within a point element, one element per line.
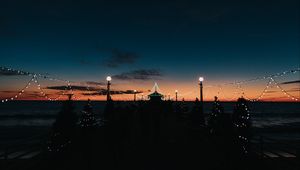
<point>142,42</point>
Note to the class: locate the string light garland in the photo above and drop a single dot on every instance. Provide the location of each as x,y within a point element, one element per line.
<point>57,148</point>
<point>294,71</point>
<point>261,94</point>
<point>21,72</point>
<point>235,93</point>
<point>16,72</point>
<point>284,91</point>
<point>220,92</point>
<point>44,94</point>
<point>34,79</point>
<point>241,121</point>
<point>19,93</point>
<point>238,85</point>
<point>271,79</point>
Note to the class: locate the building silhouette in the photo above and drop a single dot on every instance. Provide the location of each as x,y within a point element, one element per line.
<point>155,96</point>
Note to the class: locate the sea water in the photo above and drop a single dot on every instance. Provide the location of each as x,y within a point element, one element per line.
<point>42,113</point>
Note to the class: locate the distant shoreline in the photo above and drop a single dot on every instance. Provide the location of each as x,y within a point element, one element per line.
<point>130,101</point>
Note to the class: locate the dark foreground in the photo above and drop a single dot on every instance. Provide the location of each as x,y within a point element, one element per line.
<point>147,136</point>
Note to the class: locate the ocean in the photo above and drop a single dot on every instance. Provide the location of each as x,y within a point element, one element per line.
<point>275,125</point>
<point>42,113</point>
<point>280,118</point>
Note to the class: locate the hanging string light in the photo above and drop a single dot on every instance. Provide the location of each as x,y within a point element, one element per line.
<point>290,96</point>
<point>53,147</point>
<point>238,84</point>
<point>15,72</point>
<point>280,74</point>
<point>89,90</point>
<point>222,92</point>
<point>19,93</point>
<point>44,94</point>
<point>261,94</point>
<point>69,85</point>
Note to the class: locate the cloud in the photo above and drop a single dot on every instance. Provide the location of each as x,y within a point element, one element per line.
<point>112,92</point>
<point>271,91</point>
<point>95,83</point>
<point>293,90</point>
<point>5,72</point>
<point>119,58</point>
<point>80,88</point>
<point>142,74</point>
<point>291,82</point>
<point>8,91</point>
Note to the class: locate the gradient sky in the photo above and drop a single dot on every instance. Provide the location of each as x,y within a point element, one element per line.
<point>141,42</point>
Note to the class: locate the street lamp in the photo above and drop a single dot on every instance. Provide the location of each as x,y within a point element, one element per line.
<point>108,79</point>
<point>176,95</point>
<point>134,97</point>
<point>201,79</point>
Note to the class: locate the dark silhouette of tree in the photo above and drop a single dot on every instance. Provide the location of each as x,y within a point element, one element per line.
<point>178,110</point>
<point>88,139</point>
<point>197,117</point>
<point>64,127</point>
<point>215,118</point>
<point>184,108</point>
<point>109,110</point>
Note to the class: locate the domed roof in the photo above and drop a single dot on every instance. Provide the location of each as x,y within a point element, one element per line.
<point>155,95</point>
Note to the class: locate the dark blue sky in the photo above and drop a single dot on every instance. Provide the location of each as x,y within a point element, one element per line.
<point>174,40</point>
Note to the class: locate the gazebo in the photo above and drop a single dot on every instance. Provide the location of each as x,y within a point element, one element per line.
<point>155,96</point>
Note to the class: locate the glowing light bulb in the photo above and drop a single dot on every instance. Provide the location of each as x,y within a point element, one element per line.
<point>201,79</point>
<point>108,78</point>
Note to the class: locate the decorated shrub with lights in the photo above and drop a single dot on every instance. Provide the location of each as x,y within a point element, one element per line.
<point>88,118</point>
<point>242,123</point>
<point>64,128</point>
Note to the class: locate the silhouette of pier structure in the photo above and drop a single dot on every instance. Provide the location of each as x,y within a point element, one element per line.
<point>271,80</point>
<point>154,134</point>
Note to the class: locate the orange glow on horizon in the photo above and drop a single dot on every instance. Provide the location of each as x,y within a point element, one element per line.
<point>188,92</point>
<point>267,89</point>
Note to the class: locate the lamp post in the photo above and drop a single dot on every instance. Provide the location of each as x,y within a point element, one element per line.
<point>176,95</point>
<point>201,79</point>
<point>134,93</point>
<point>108,79</point>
